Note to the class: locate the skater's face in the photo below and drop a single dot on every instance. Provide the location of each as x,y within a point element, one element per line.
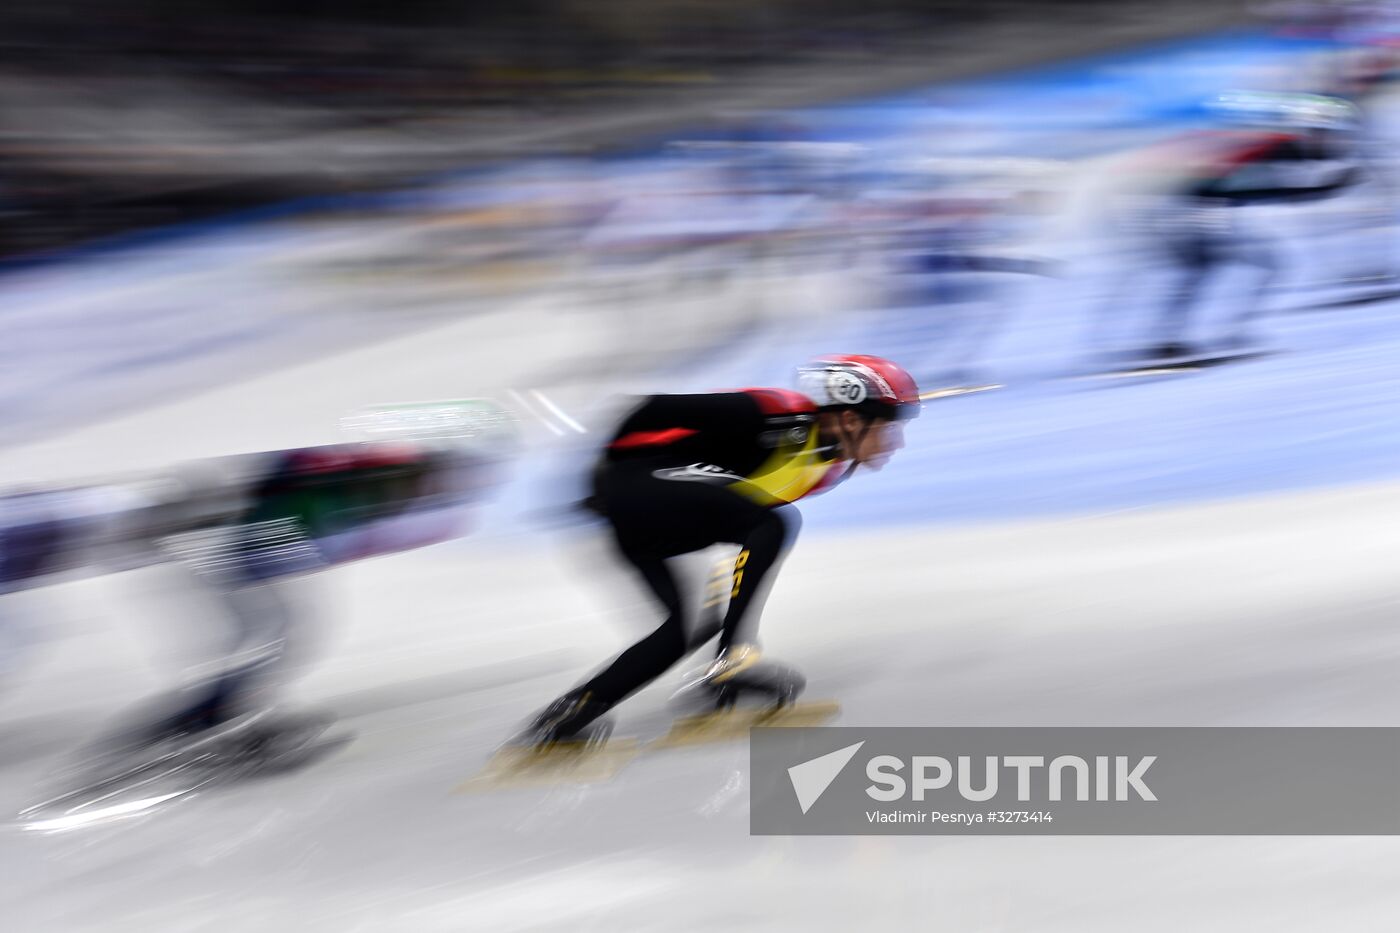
<point>870,443</point>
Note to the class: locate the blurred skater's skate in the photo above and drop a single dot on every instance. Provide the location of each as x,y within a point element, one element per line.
<point>1175,359</point>
<point>737,692</point>
<point>558,747</point>
<point>124,779</point>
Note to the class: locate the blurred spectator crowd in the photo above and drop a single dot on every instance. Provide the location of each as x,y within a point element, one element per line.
<point>122,116</point>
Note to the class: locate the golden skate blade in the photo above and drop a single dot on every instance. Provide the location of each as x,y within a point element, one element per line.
<point>734,724</point>
<point>563,763</point>
<point>955,391</point>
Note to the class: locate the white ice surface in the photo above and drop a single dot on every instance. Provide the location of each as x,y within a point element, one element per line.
<point>1269,611</point>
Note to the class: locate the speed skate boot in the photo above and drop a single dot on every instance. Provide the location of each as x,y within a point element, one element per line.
<point>709,680</point>
<point>732,662</point>
<point>576,717</point>
<point>742,672</point>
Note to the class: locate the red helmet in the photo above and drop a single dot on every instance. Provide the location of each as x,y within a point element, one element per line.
<point>873,386</point>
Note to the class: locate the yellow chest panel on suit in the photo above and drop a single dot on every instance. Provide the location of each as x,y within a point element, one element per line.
<point>794,470</point>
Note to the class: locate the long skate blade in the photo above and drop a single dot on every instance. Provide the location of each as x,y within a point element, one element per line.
<point>1183,366</point>
<point>142,788</point>
<point>955,391</point>
<point>1145,372</point>
<point>85,816</point>
<point>734,724</point>
<point>561,763</point>
<point>139,793</point>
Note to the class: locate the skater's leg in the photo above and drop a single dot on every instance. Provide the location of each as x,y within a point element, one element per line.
<point>18,636</point>
<point>27,549</point>
<point>654,520</point>
<point>633,669</point>
<point>263,622</point>
<point>763,549</point>
<point>1197,259</point>
<point>985,324</point>
<point>1104,330</point>
<point>1266,267</point>
<point>650,657</point>
<point>248,576</point>
<point>717,583</point>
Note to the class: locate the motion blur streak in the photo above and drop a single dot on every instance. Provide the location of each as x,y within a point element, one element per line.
<point>326,329</point>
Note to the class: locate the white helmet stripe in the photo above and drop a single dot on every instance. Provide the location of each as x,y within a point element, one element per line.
<point>826,387</point>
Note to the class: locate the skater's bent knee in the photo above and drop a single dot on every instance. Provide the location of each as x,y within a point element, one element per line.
<point>791,520</point>
<point>777,529</point>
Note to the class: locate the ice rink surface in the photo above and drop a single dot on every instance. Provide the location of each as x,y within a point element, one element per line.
<point>1213,549</point>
